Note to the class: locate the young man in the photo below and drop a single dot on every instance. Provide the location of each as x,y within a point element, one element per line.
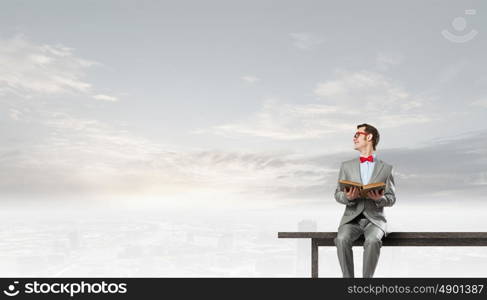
<point>363,215</point>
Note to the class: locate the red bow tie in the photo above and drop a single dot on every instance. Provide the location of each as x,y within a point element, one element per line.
<point>369,158</point>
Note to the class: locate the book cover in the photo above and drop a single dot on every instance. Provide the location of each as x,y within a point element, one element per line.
<point>345,185</point>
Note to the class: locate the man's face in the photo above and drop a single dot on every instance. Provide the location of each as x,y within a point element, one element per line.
<point>360,140</point>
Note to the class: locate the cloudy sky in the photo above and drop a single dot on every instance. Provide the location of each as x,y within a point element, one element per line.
<point>233,100</point>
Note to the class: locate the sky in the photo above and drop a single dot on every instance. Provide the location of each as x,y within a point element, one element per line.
<point>235,114</point>
<point>163,98</point>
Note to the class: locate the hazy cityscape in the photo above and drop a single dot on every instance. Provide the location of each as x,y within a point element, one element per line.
<point>156,243</point>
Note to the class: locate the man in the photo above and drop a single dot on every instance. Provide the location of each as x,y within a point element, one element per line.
<point>363,215</point>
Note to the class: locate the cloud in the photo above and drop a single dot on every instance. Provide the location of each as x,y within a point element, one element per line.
<point>349,97</point>
<point>89,157</point>
<point>33,70</point>
<point>105,98</point>
<point>385,61</point>
<point>373,93</point>
<point>481,103</point>
<point>50,149</point>
<point>452,165</point>
<point>45,69</point>
<point>76,155</point>
<point>15,114</point>
<point>283,121</point>
<point>250,78</point>
<point>447,169</point>
<point>450,72</point>
<point>84,156</point>
<point>306,40</point>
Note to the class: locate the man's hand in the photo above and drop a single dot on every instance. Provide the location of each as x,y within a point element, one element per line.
<point>375,195</point>
<point>352,193</point>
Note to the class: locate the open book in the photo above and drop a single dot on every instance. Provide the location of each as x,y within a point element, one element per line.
<point>345,185</point>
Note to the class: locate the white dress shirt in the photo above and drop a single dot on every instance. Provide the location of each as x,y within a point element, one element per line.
<point>366,169</point>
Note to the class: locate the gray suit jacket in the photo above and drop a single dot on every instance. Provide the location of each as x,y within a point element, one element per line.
<point>374,211</point>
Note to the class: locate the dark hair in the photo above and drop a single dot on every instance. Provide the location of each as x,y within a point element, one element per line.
<point>375,133</point>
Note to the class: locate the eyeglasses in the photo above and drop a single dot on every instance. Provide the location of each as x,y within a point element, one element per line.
<point>358,133</point>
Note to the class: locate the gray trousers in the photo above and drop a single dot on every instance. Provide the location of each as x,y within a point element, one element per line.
<point>347,234</point>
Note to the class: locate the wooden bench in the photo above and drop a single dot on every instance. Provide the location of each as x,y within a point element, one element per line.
<point>393,239</point>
